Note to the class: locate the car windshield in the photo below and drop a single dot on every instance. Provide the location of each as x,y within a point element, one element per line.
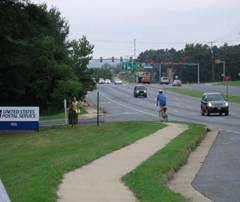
<point>215,97</point>
<point>140,88</point>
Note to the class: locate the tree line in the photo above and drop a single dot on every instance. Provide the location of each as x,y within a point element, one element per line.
<point>38,65</point>
<point>197,53</point>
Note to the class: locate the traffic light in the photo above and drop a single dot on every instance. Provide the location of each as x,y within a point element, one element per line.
<point>121,59</point>
<point>112,59</point>
<point>101,59</point>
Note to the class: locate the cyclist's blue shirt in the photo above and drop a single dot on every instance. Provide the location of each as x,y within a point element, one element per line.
<point>161,99</point>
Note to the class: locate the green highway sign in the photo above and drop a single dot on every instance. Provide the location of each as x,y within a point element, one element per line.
<point>130,65</point>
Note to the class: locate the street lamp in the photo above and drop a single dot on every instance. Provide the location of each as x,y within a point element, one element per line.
<point>218,61</point>
<point>225,78</point>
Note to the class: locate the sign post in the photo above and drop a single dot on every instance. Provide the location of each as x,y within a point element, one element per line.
<point>19,118</point>
<point>218,61</point>
<point>65,111</point>
<point>227,79</point>
<point>98,108</point>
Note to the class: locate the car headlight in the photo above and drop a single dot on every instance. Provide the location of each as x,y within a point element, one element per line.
<point>137,91</point>
<point>226,104</point>
<point>209,104</point>
<point>144,91</point>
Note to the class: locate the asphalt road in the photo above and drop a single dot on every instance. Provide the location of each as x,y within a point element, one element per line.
<point>219,177</point>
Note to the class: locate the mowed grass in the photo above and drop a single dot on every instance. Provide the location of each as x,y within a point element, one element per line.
<point>149,180</point>
<point>32,164</point>
<point>198,94</point>
<point>189,92</point>
<point>231,83</point>
<point>59,115</point>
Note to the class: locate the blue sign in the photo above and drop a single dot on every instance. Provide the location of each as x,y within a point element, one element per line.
<point>19,118</point>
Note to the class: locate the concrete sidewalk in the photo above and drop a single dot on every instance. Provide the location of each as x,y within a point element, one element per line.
<point>100,181</point>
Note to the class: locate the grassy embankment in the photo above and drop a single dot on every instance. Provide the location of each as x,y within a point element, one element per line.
<point>59,115</point>
<point>194,93</point>
<point>231,83</point>
<point>32,164</point>
<point>149,180</point>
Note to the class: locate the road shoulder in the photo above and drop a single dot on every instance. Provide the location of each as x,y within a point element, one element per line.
<point>182,180</point>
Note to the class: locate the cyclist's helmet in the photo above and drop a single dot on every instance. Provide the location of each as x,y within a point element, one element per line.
<point>160,91</point>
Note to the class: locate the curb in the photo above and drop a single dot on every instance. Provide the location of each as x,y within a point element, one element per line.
<point>182,179</point>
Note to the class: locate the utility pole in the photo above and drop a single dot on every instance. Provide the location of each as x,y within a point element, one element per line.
<point>98,108</point>
<point>198,74</point>
<point>160,71</point>
<point>212,60</point>
<point>134,48</point>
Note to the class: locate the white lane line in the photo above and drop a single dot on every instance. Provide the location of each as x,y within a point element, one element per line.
<point>229,131</point>
<point>236,132</point>
<point>132,108</point>
<point>105,103</point>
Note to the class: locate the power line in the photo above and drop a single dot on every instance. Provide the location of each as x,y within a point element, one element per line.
<point>165,42</point>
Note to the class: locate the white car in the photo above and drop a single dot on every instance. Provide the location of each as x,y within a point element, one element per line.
<point>107,81</point>
<point>101,81</point>
<point>177,82</point>
<point>164,80</point>
<point>117,81</point>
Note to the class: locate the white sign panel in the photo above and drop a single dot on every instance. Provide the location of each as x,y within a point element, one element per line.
<point>147,67</point>
<point>19,114</point>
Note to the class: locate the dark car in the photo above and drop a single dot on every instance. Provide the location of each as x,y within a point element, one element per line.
<point>214,103</point>
<point>140,91</point>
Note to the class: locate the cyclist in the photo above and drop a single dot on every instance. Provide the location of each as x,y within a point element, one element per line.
<point>162,102</point>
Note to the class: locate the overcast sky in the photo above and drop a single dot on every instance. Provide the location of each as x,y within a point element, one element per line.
<point>111,25</point>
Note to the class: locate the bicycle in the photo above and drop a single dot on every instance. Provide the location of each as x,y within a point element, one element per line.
<point>164,114</point>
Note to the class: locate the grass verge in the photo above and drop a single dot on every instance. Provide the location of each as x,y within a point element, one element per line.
<point>59,115</point>
<point>32,164</point>
<point>231,83</point>
<point>189,92</point>
<point>198,94</point>
<point>149,180</point>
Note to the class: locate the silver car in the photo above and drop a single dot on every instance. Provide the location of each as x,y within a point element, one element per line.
<point>214,103</point>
